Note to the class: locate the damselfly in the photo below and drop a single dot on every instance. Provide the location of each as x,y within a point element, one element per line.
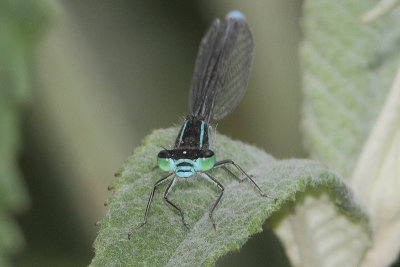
<point>219,83</point>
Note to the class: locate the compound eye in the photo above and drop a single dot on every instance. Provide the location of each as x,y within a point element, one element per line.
<point>163,160</point>
<point>206,161</point>
<point>206,153</point>
<point>163,154</point>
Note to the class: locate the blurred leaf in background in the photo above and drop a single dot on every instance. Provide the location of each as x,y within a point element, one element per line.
<point>348,69</point>
<point>352,106</point>
<point>21,24</point>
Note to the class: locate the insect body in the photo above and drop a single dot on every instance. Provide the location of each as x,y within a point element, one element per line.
<point>219,83</point>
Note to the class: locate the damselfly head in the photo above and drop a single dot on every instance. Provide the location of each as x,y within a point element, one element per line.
<point>186,161</point>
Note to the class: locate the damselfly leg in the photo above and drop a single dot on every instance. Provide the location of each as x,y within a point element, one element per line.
<point>162,180</point>
<point>221,187</point>
<point>167,191</point>
<point>226,162</point>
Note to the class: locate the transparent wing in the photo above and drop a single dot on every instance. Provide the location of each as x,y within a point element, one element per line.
<point>222,69</point>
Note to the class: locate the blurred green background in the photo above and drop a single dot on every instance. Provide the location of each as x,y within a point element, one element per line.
<point>98,77</point>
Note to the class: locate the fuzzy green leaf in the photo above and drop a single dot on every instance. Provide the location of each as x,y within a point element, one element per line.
<point>164,241</point>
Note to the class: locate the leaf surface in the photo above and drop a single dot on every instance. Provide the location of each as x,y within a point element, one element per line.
<point>164,241</point>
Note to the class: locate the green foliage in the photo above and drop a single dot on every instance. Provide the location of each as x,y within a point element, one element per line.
<point>20,24</point>
<point>348,68</point>
<point>164,241</point>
